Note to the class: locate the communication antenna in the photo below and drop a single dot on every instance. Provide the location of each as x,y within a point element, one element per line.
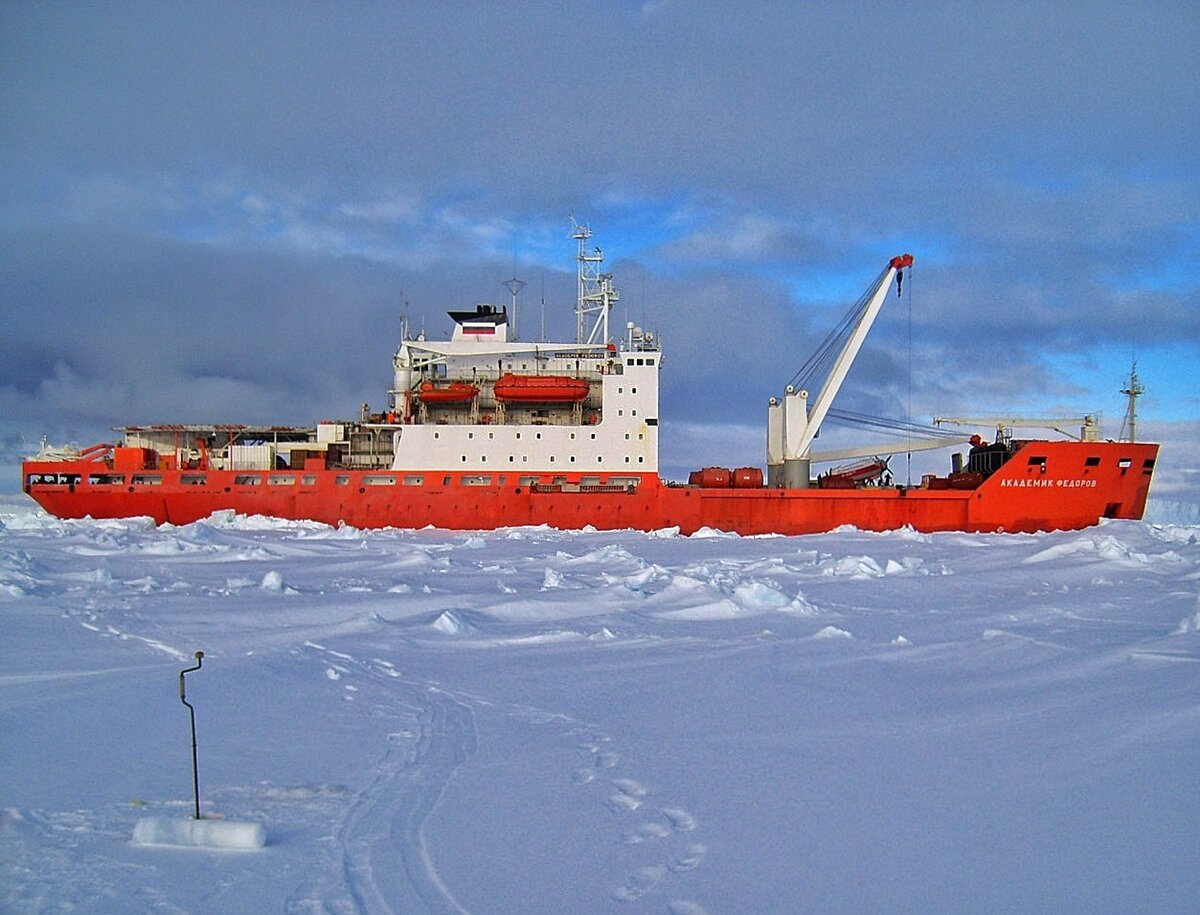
<point>543,306</point>
<point>514,286</point>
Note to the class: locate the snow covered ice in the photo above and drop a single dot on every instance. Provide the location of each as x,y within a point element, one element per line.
<point>535,721</point>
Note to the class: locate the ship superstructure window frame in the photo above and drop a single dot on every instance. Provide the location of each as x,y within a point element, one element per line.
<point>106,479</point>
<point>146,479</point>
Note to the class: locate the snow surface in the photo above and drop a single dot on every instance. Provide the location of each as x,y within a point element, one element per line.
<point>533,721</point>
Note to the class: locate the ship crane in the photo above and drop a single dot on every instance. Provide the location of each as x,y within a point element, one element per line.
<point>1089,428</point>
<point>793,423</point>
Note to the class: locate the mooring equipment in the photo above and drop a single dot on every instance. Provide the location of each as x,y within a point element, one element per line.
<point>192,713</point>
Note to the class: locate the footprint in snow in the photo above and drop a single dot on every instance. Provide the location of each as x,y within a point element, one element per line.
<point>688,859</point>
<point>680,820</point>
<point>640,882</point>
<point>598,757</point>
<point>683,907</point>
<point>645,832</point>
<point>628,795</point>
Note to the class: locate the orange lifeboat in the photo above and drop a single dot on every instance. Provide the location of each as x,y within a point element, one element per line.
<point>449,393</point>
<point>512,388</point>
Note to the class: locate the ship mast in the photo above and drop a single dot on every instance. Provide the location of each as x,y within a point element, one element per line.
<point>596,290</point>
<point>1133,391</point>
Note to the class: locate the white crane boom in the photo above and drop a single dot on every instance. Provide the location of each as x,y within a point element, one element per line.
<point>1089,429</point>
<point>841,366</point>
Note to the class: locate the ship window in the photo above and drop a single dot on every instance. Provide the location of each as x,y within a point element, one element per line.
<point>476,479</point>
<point>1148,464</point>
<point>572,436</point>
<point>193,479</point>
<point>483,459</point>
<point>641,436</point>
<point>437,435</point>
<point>1125,463</point>
<point>464,459</point>
<point>627,459</point>
<point>1092,462</point>
<point>649,362</point>
<point>526,481</point>
<point>491,435</point>
<point>242,479</point>
<point>633,412</point>
<point>500,481</point>
<point>552,459</point>
<point>599,459</point>
<point>518,435</point>
<point>281,479</point>
<point>593,436</point>
<point>106,479</point>
<point>558,481</point>
<point>652,422</point>
<point>620,413</point>
<point>446,480</point>
<point>633,390</point>
<point>342,479</point>
<point>309,479</point>
<point>589,481</point>
<point>1037,462</point>
<point>537,435</point>
<point>640,460</point>
<point>414,479</point>
<point>629,362</point>
<point>378,479</point>
<point>146,479</point>
<point>572,459</point>
<point>620,390</point>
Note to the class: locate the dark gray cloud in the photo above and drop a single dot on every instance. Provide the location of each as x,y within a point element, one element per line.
<point>217,211</point>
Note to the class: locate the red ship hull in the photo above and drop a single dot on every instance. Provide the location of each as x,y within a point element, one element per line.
<point>1045,486</point>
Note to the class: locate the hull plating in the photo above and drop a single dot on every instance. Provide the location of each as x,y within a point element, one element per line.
<point>1045,486</point>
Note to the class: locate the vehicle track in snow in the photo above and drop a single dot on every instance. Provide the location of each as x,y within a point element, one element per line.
<point>380,843</point>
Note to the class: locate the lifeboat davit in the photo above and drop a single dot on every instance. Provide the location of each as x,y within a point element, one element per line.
<point>512,388</point>
<point>449,393</point>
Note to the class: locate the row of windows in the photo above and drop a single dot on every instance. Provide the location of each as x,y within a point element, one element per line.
<point>1094,461</point>
<point>570,460</point>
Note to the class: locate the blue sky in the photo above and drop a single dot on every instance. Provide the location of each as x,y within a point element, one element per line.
<point>217,212</point>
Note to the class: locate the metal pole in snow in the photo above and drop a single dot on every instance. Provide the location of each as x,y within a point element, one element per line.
<point>192,712</point>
